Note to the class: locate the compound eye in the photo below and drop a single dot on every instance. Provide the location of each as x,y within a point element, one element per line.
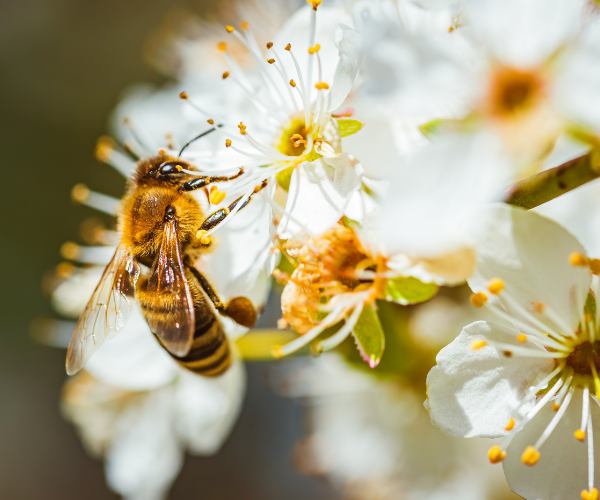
<point>170,167</point>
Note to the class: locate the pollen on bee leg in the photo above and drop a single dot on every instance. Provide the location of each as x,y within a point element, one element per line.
<point>80,193</point>
<point>204,238</point>
<point>496,455</point>
<point>511,425</point>
<point>578,259</point>
<point>590,495</point>
<point>495,286</point>
<point>579,435</point>
<point>478,299</point>
<point>477,344</point>
<point>530,456</point>
<point>216,196</point>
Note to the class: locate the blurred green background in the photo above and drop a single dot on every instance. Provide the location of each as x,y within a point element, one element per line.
<point>64,65</point>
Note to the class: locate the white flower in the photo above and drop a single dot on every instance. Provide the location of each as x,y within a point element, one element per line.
<point>143,435</point>
<point>528,377</point>
<point>372,439</point>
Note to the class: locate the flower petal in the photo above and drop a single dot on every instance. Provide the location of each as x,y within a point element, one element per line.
<point>133,359</point>
<point>319,194</point>
<point>349,44</point>
<point>475,392</point>
<point>562,471</point>
<point>207,408</point>
<point>144,457</point>
<point>530,253</point>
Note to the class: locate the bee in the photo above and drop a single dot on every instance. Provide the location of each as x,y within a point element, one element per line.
<point>163,231</point>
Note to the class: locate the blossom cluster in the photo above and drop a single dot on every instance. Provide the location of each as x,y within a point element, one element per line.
<point>394,152</point>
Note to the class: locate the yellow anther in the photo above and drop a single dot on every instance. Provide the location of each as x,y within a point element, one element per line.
<point>225,74</point>
<point>595,266</point>
<point>229,29</point>
<point>587,317</point>
<point>245,25</point>
<point>271,61</point>
<point>578,259</point>
<point>297,139</point>
<point>522,337</point>
<point>242,128</point>
<point>539,307</point>
<point>315,49</point>
<point>495,286</point>
<point>530,456</point>
<point>80,193</point>
<point>590,495</point>
<point>477,344</point>
<point>70,250</point>
<point>496,455</point>
<point>222,46</point>
<point>314,3</point>
<point>104,147</point>
<point>162,152</point>
<point>288,46</point>
<point>579,435</point>
<point>216,196</point>
<point>200,234</point>
<point>269,45</point>
<point>321,86</point>
<point>227,143</point>
<point>555,406</point>
<point>206,239</point>
<point>478,299</point>
<point>65,270</point>
<point>282,324</point>
<point>292,82</point>
<point>277,352</point>
<point>511,425</point>
<point>211,121</point>
<point>450,29</point>
<point>183,95</point>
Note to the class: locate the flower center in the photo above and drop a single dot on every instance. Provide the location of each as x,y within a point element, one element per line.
<point>293,137</point>
<point>583,356</point>
<point>512,90</point>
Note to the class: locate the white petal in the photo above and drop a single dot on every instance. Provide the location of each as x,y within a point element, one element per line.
<point>475,392</point>
<point>531,254</point>
<point>562,471</point>
<point>144,457</point>
<point>434,194</point>
<point>319,194</point>
<point>349,43</point>
<point>207,408</point>
<point>538,28</point>
<point>133,359</point>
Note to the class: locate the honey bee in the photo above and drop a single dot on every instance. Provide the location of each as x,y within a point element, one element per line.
<point>163,231</point>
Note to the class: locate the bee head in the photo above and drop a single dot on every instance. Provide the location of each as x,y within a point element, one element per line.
<point>163,169</point>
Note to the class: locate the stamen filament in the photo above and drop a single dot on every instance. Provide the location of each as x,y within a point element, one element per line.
<point>590,440</point>
<point>585,408</point>
<point>337,338</point>
<point>555,420</point>
<point>527,316</point>
<point>526,352</point>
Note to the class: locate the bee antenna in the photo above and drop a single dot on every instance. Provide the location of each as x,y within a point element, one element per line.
<point>198,137</point>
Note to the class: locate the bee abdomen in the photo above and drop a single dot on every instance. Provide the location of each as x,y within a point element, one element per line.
<point>210,354</point>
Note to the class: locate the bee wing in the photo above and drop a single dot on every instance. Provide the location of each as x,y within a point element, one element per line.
<point>172,319</point>
<point>107,311</point>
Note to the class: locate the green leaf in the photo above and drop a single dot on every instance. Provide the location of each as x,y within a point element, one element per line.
<point>409,290</point>
<point>369,337</point>
<point>435,127</point>
<point>348,126</point>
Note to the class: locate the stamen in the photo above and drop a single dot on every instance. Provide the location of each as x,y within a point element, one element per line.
<point>315,49</point>
<point>553,423</point>
<point>332,318</point>
<point>522,338</point>
<point>222,46</point>
<point>305,97</point>
<point>321,86</point>
<point>578,259</point>
<point>101,202</point>
<point>245,25</point>
<point>86,255</point>
<point>585,410</point>
<point>593,491</point>
<point>495,286</point>
<point>292,82</point>
<point>229,29</point>
<point>510,426</point>
<point>527,352</point>
<point>478,299</point>
<point>106,153</point>
<point>269,45</point>
<point>271,60</point>
<point>595,375</point>
<point>496,455</point>
<point>343,332</point>
<point>227,143</point>
<point>225,75</point>
<point>530,456</point>
<point>592,494</point>
<point>477,344</point>
<point>216,196</point>
<point>595,266</point>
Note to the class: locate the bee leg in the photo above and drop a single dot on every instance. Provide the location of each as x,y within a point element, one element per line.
<point>200,182</point>
<point>239,309</point>
<point>217,217</point>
